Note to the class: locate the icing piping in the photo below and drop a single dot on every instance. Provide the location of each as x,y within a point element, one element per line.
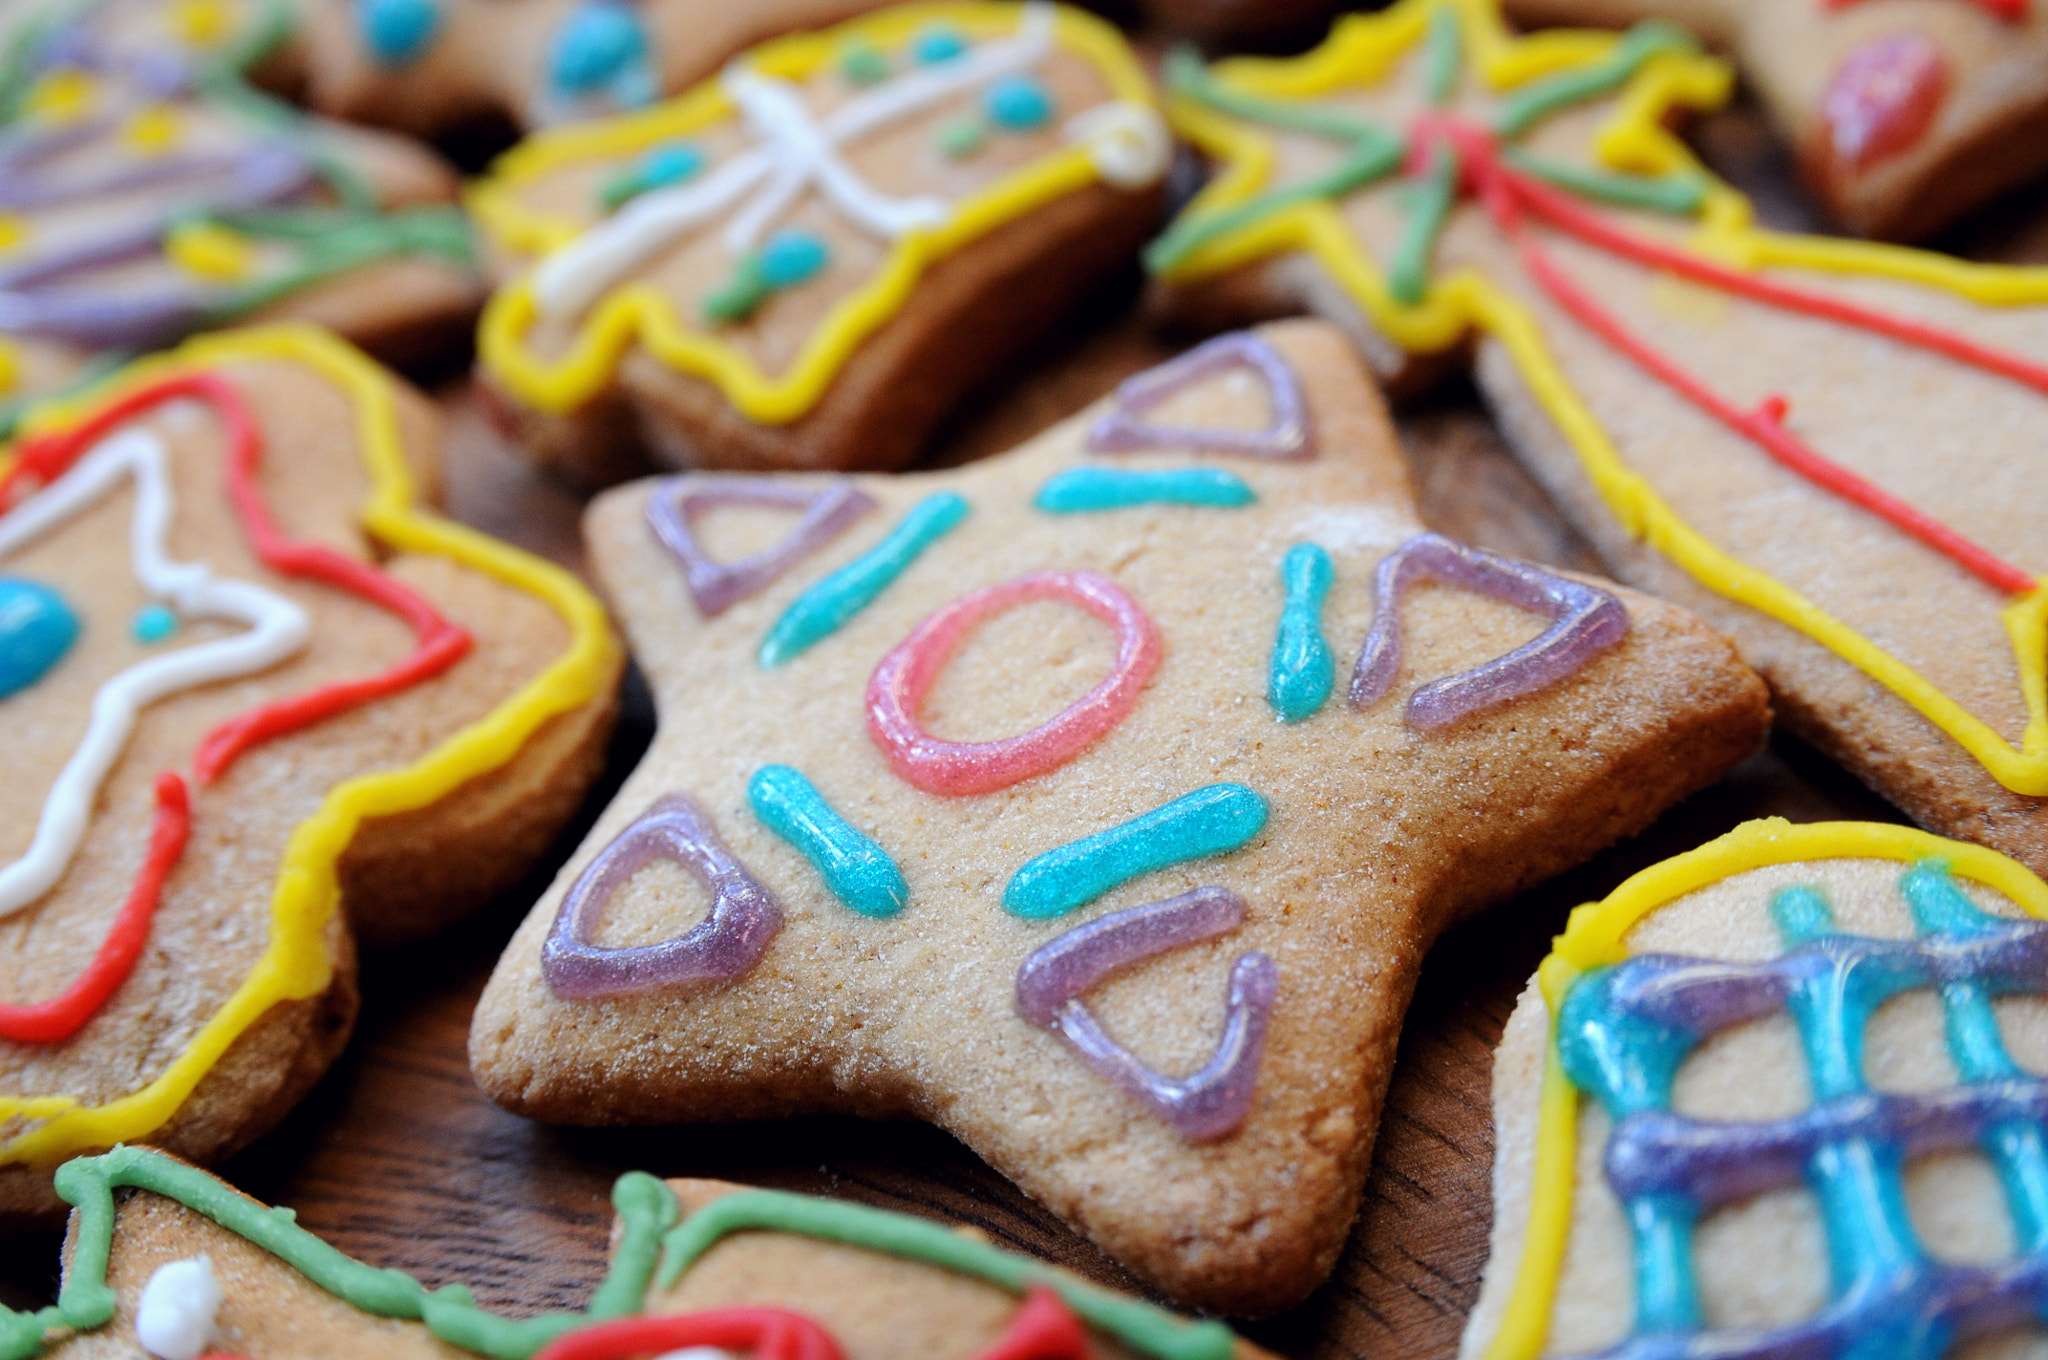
<point>1103,151</point>
<point>1882,99</point>
<point>1585,621</point>
<point>1086,491</point>
<point>1289,434</point>
<point>897,689</point>
<point>856,870</point>
<point>1635,138</point>
<point>1303,669</point>
<point>766,1333</point>
<point>1042,1328</point>
<point>745,917</point>
<point>37,628</point>
<point>2012,11</point>
<point>295,963</point>
<point>1204,1105</point>
<point>832,603</point>
<point>1213,820</point>
<point>717,586</point>
<point>174,1317</point>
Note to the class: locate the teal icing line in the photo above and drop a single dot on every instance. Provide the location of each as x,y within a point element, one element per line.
<point>830,604</point>
<point>1082,491</point>
<point>1213,820</point>
<point>1651,38</point>
<point>1680,193</point>
<point>1441,58</point>
<point>857,870</point>
<point>1303,667</point>
<point>1408,273</point>
<point>1148,1330</point>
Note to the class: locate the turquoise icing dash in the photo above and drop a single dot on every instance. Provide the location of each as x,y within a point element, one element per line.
<point>662,166</point>
<point>1081,491</point>
<point>398,32</point>
<point>153,623</point>
<point>792,257</point>
<point>595,45</point>
<point>1213,820</point>
<point>1303,668</point>
<point>36,629</point>
<point>830,604</point>
<point>857,870</point>
<point>936,43</point>
<point>1018,103</point>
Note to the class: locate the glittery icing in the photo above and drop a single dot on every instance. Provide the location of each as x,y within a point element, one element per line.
<point>1213,820</point>
<point>1288,435</point>
<point>1303,669</point>
<point>830,604</point>
<point>1206,1104</point>
<point>718,586</point>
<point>1088,490</point>
<point>857,870</point>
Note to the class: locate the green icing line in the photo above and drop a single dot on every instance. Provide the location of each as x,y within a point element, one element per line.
<point>93,372</point>
<point>1408,270</point>
<point>830,604</point>
<point>1679,193</point>
<point>1651,38</point>
<point>1373,153</point>
<point>336,241</point>
<point>1442,57</point>
<point>1148,1330</point>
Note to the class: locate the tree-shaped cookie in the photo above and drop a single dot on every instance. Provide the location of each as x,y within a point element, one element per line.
<point>183,1265</point>
<point>147,190</point>
<point>1825,447</point>
<point>251,695</point>
<point>1780,1096</point>
<point>1904,114</point>
<point>1097,801</point>
<point>805,262</point>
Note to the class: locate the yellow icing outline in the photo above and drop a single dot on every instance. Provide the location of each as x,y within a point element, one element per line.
<point>1594,938</point>
<point>639,312</point>
<point>295,964</point>
<point>1362,48</point>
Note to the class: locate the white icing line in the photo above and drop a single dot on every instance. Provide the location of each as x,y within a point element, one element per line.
<point>277,629</point>
<point>174,1318</point>
<point>1127,142</point>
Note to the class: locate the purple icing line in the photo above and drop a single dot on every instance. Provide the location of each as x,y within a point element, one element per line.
<point>725,945</point>
<point>718,586</point>
<point>1125,429</point>
<point>1586,622</point>
<point>1207,1104</point>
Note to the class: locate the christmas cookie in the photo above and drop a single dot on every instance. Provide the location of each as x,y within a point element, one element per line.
<point>1779,1096</point>
<point>166,1259</point>
<point>253,695</point>
<point>806,261</point>
<point>1096,801</point>
<point>147,190</point>
<point>1823,447</point>
<point>1904,114</point>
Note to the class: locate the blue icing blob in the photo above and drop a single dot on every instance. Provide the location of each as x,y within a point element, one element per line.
<point>792,256</point>
<point>1213,820</point>
<point>858,871</point>
<point>594,46</point>
<point>670,163</point>
<point>36,629</point>
<point>154,623</point>
<point>937,43</point>
<point>398,32</point>
<point>1303,668</point>
<point>1018,102</point>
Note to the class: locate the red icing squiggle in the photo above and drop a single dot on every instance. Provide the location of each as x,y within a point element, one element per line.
<point>1044,1328</point>
<point>2012,11</point>
<point>765,1333</point>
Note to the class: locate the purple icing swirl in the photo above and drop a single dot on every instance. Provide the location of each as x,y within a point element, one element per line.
<point>727,944</point>
<point>718,586</point>
<point>1290,435</point>
<point>1586,622</point>
<point>1207,1104</point>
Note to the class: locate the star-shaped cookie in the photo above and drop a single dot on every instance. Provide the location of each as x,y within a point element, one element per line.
<point>1149,956</point>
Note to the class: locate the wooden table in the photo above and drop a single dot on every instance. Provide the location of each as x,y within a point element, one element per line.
<point>398,1159</point>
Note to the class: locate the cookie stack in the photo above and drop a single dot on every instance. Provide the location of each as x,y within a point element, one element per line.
<point>1065,707</point>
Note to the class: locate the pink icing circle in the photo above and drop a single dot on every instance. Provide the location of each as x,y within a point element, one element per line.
<point>897,689</point>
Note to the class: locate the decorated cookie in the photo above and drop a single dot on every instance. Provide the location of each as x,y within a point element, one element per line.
<point>430,66</point>
<point>1905,114</point>
<point>1777,1097</point>
<point>147,190</point>
<point>250,694</point>
<point>804,262</point>
<point>166,1260</point>
<point>1096,801</point>
<point>1824,447</point>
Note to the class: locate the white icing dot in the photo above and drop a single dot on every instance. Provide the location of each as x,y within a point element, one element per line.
<point>696,1353</point>
<point>174,1319</point>
<point>1127,142</point>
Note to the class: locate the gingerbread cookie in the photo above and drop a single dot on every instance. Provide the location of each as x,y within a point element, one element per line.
<point>1779,1097</point>
<point>252,695</point>
<point>1904,114</point>
<point>182,1264</point>
<point>432,66</point>
<point>805,263</point>
<point>1823,447</point>
<point>895,861</point>
<point>147,190</point>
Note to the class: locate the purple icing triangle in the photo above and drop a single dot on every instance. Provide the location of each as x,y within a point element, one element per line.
<point>1125,429</point>
<point>718,586</point>
<point>1206,1104</point>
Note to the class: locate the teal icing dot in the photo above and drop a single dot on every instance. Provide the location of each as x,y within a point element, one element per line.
<point>862,63</point>
<point>154,623</point>
<point>595,45</point>
<point>1018,102</point>
<point>661,166</point>
<point>1303,667</point>
<point>1213,820</point>
<point>36,628</point>
<point>398,32</point>
<point>828,606</point>
<point>857,870</point>
<point>962,137</point>
<point>792,256</point>
<point>938,42</point>
<point>1088,490</point>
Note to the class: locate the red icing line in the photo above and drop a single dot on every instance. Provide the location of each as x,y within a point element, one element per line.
<point>2012,11</point>
<point>64,1015</point>
<point>769,1333</point>
<point>1883,98</point>
<point>1044,1328</point>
